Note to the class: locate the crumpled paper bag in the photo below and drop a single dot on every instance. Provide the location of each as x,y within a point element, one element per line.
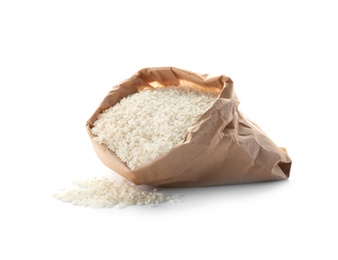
<point>222,147</point>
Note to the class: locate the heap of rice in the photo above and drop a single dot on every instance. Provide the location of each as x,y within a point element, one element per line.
<point>106,193</point>
<point>146,125</point>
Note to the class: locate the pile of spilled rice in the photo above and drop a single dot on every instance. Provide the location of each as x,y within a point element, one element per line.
<point>106,193</point>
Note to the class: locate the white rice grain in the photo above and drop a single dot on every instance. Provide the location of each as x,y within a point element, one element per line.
<point>106,193</point>
<point>146,125</point>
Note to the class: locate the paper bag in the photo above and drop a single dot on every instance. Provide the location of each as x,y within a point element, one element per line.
<point>221,147</point>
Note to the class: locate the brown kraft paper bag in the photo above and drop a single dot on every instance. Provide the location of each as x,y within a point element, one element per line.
<point>222,147</point>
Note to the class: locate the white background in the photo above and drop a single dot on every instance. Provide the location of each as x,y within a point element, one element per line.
<point>58,59</point>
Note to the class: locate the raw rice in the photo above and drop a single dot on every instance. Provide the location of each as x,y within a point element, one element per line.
<point>146,125</point>
<point>106,193</point>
